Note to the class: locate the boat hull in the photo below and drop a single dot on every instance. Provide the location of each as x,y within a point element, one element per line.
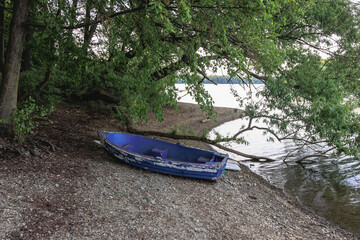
<point>208,170</point>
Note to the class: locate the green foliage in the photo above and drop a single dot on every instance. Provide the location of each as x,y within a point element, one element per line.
<point>311,98</point>
<point>306,52</point>
<point>186,131</point>
<point>175,130</point>
<point>51,94</point>
<point>149,49</point>
<point>27,118</point>
<point>204,133</point>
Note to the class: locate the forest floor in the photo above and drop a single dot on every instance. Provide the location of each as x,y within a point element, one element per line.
<point>73,189</point>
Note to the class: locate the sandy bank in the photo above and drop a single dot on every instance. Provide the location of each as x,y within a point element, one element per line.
<point>81,192</point>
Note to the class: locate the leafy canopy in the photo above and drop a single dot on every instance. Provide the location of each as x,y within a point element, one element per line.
<point>305,52</point>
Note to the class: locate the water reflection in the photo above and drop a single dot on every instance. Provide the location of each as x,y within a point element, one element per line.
<point>328,186</point>
<point>329,191</point>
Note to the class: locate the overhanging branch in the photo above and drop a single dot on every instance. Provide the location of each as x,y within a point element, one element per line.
<point>87,24</point>
<point>195,138</point>
<point>262,78</point>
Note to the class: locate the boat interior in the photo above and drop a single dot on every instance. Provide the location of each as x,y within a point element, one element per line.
<point>163,150</point>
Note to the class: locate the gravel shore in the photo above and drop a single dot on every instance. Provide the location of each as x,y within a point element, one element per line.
<point>79,191</point>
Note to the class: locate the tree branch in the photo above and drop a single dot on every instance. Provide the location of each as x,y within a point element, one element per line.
<point>87,24</point>
<point>195,138</point>
<point>205,76</point>
<point>262,78</point>
<point>322,154</point>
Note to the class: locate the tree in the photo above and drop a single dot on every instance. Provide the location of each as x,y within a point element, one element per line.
<point>10,81</point>
<point>2,33</point>
<point>132,53</point>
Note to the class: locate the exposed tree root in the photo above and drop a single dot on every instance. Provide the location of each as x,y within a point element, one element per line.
<point>10,151</point>
<point>43,141</point>
<point>33,146</point>
<point>6,130</point>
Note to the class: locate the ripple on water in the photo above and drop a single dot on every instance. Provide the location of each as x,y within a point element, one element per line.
<point>330,187</point>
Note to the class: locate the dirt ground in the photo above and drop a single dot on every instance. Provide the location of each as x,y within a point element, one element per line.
<point>79,191</point>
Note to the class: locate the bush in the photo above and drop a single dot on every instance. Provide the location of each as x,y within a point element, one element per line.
<point>26,119</point>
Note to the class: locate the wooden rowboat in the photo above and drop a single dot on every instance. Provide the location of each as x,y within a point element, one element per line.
<point>164,157</point>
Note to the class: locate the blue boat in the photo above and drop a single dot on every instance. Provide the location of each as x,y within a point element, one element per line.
<point>164,157</point>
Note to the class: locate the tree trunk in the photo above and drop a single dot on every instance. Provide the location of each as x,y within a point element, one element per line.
<point>88,34</point>
<point>2,35</point>
<point>89,30</point>
<point>26,56</point>
<point>10,83</point>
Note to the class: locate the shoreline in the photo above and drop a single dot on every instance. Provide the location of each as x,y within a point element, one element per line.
<point>79,191</point>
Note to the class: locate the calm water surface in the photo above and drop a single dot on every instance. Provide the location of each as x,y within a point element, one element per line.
<point>330,187</point>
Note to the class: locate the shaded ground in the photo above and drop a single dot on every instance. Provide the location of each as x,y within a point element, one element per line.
<point>79,191</point>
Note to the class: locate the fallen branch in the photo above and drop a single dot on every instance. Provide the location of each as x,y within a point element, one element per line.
<point>322,154</point>
<point>201,139</point>
<point>249,156</point>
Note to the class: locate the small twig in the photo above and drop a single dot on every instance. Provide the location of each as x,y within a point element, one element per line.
<point>249,128</point>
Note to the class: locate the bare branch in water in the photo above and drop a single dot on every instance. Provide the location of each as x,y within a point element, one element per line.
<point>322,154</point>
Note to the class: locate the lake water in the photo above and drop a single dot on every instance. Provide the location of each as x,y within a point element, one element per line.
<point>329,187</point>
